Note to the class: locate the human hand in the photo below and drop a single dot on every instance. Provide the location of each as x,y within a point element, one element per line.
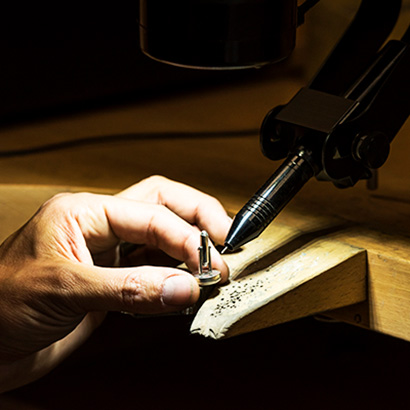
<point>55,283</point>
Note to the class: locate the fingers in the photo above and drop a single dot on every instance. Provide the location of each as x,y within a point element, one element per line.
<point>143,289</point>
<point>104,220</point>
<point>190,204</point>
<point>151,224</point>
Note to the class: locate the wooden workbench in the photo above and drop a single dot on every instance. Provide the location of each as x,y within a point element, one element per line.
<point>166,135</point>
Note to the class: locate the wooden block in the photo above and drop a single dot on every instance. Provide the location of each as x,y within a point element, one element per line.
<point>277,240</point>
<point>387,308</point>
<point>322,275</point>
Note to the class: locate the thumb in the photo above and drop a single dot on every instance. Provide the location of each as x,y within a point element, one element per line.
<point>143,289</point>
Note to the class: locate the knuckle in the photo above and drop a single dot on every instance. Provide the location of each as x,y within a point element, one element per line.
<point>150,187</point>
<point>138,294</point>
<point>154,182</point>
<point>56,202</point>
<point>155,224</point>
<point>152,234</point>
<point>65,205</point>
<point>65,199</point>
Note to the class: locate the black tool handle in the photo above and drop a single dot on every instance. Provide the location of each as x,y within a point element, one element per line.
<point>270,199</point>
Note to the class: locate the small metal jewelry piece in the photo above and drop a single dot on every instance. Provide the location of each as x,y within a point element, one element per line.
<point>206,275</point>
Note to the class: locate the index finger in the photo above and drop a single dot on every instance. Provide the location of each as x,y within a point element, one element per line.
<point>104,220</point>
<point>190,204</point>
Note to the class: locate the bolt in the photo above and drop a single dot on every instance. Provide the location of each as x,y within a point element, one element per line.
<point>371,149</point>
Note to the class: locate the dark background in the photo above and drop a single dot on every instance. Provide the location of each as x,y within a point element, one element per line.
<point>71,56</point>
<point>155,364</point>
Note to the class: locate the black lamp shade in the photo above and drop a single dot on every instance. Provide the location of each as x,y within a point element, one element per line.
<point>218,34</point>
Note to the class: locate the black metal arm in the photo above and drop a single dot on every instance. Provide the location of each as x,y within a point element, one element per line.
<point>338,128</point>
<point>354,106</point>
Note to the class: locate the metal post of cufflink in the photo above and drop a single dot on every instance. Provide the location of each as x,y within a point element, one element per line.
<point>206,275</point>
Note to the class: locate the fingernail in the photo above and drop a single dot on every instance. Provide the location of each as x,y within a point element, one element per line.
<point>177,290</point>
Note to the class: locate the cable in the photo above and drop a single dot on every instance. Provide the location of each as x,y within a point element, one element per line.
<point>124,137</point>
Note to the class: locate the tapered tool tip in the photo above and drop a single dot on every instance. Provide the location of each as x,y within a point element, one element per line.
<point>224,250</point>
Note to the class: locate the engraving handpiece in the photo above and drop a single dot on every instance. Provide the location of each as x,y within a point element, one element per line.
<point>270,199</point>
